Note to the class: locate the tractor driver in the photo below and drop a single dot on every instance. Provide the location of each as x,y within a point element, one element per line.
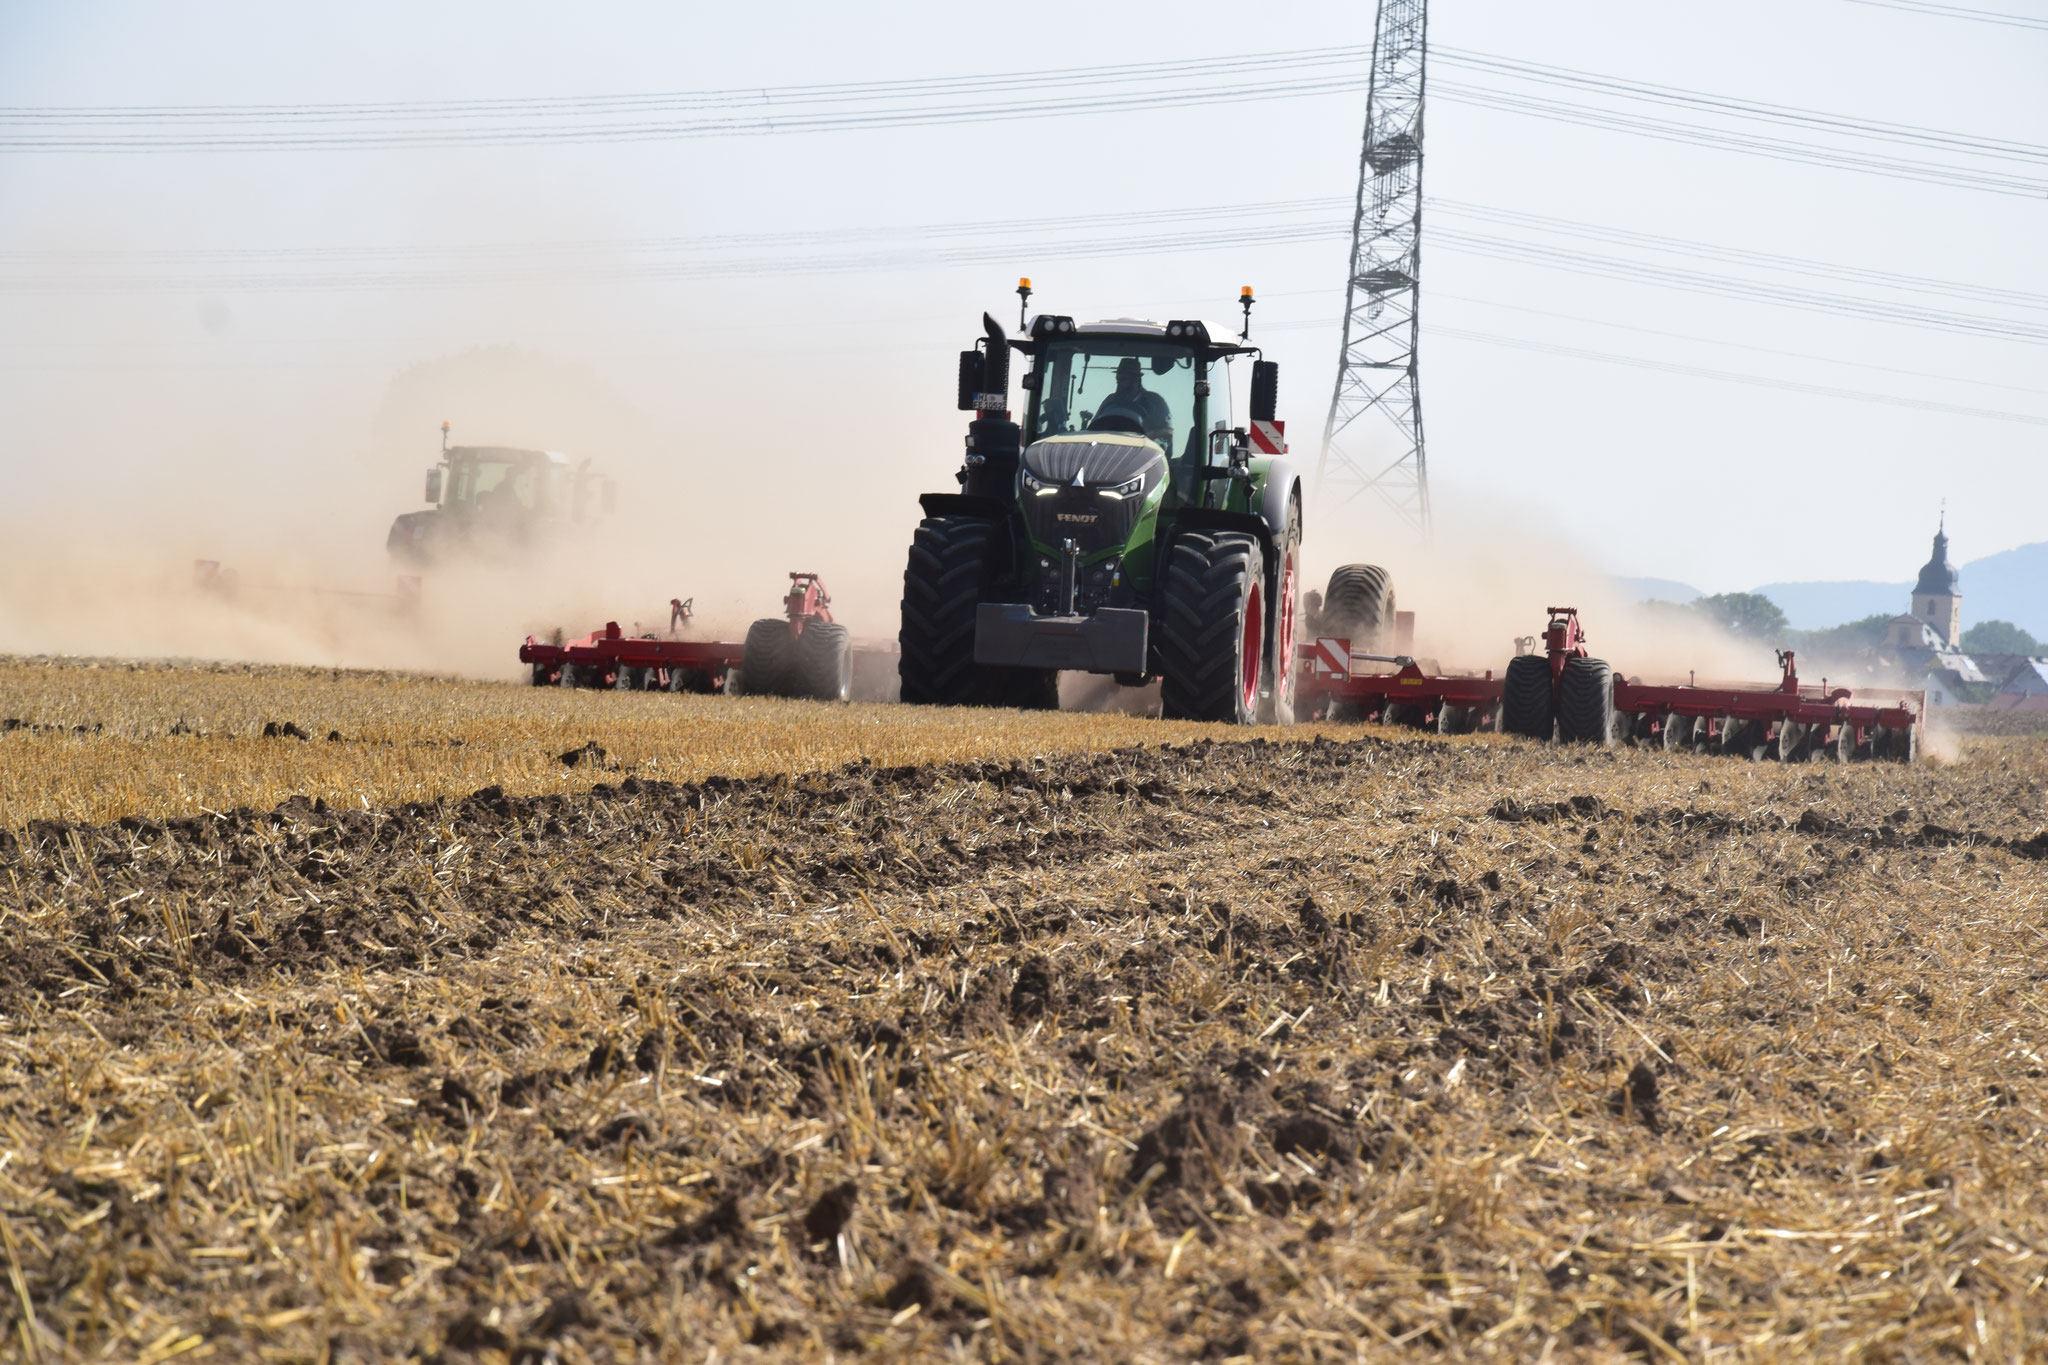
<point>1145,410</point>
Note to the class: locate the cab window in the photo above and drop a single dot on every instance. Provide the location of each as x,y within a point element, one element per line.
<point>1118,384</point>
<point>1219,414</point>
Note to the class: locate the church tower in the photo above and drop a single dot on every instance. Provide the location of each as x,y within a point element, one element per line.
<point>1938,596</point>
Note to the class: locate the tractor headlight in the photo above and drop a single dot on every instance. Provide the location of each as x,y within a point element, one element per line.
<point>1130,488</point>
<point>1033,484</point>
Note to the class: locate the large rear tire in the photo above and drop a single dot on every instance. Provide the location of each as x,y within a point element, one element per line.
<point>1525,698</point>
<point>1212,634</point>
<point>824,662</point>
<point>1585,702</point>
<point>1358,605</point>
<point>768,661</point>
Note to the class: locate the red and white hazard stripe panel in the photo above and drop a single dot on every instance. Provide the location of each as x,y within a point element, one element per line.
<point>1269,438</point>
<point>1332,657</point>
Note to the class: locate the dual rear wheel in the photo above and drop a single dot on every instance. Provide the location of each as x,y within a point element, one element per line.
<point>817,662</point>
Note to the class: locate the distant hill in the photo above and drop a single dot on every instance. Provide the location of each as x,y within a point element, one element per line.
<point>1816,606</point>
<point>1656,589</point>
<point>2011,585</point>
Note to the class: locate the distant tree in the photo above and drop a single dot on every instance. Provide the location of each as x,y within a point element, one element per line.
<point>1840,642</point>
<point>1999,637</point>
<point>1743,613</point>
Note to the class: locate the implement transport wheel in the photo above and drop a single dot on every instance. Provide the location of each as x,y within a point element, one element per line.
<point>1585,702</point>
<point>1525,698</point>
<point>1677,731</point>
<point>1358,605</point>
<point>1212,635</point>
<point>824,662</point>
<point>769,660</point>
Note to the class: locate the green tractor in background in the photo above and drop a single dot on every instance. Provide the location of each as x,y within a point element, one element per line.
<point>1129,526</point>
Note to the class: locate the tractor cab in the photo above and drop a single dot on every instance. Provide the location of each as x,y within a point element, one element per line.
<point>499,498</point>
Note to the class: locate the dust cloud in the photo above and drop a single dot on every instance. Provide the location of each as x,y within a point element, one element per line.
<point>1486,578</point>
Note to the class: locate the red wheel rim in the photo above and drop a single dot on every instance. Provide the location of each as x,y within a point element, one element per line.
<point>1283,638</point>
<point>1253,648</point>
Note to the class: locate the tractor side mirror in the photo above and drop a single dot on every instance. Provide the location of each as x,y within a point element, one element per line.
<point>1265,389</point>
<point>970,379</point>
<point>608,497</point>
<point>434,486</point>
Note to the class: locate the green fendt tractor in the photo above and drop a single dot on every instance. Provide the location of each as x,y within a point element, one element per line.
<point>1129,526</point>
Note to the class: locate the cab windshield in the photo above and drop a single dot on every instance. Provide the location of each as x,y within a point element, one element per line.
<point>1111,383</point>
<point>491,483</point>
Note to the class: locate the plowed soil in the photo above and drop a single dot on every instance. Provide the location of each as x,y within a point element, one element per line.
<point>1290,1050</point>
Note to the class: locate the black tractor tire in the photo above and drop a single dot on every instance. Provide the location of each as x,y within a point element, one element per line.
<point>768,659</point>
<point>1585,702</point>
<point>824,662</point>
<point>1283,614</point>
<point>1525,698</point>
<point>952,562</point>
<point>1212,633</point>
<point>1358,606</point>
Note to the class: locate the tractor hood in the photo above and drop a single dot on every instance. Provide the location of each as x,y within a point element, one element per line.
<point>1098,459</point>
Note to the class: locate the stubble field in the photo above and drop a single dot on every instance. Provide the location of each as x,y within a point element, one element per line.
<point>967,1035</point>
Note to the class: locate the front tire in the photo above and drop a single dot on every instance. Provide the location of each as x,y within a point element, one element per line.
<point>1525,698</point>
<point>1212,634</point>
<point>952,563</point>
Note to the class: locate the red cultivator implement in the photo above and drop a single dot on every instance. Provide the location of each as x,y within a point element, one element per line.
<point>1566,693</point>
<point>802,653</point>
<point>1334,687</point>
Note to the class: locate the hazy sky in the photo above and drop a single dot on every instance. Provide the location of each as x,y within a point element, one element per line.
<point>158,385</point>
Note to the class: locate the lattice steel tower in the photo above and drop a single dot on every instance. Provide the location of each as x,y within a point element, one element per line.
<point>1376,373</point>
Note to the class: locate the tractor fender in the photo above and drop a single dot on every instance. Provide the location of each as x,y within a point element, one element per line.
<point>962,505</point>
<point>1282,485</point>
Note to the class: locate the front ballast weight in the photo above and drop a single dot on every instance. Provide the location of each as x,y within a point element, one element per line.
<point>1124,527</point>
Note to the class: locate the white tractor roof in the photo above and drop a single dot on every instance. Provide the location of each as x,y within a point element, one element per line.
<point>509,453</point>
<point>1145,327</point>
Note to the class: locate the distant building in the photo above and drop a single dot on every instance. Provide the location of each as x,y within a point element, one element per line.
<point>1938,596</point>
<point>2026,689</point>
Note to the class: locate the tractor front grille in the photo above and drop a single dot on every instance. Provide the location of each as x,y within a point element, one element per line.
<point>1083,515</point>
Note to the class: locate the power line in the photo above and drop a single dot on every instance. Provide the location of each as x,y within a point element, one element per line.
<point>1691,249</point>
<point>1982,16</point>
<point>1742,345</point>
<point>1737,377</point>
<point>1729,286</point>
<point>1757,110</point>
